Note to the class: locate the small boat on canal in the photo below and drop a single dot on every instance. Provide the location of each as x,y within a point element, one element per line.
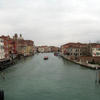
<point>46,58</point>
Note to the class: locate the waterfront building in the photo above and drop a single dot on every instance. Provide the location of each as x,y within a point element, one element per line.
<point>96,50</point>
<point>92,49</point>
<point>73,50</point>
<point>41,49</point>
<point>6,46</point>
<point>83,53</point>
<point>10,48</point>
<point>64,48</point>
<point>30,47</point>
<point>23,47</point>
<point>45,49</point>
<point>90,53</point>
<point>54,49</point>
<point>2,51</point>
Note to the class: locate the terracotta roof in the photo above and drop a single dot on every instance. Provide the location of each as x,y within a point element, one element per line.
<point>96,46</point>
<point>74,45</point>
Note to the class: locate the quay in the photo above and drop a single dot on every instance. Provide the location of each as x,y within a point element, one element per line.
<point>9,62</point>
<point>87,65</point>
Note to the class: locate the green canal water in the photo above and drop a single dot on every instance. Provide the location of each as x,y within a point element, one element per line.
<point>54,79</point>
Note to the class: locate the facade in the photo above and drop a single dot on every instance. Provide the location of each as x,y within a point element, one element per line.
<point>64,48</point>
<point>2,50</point>
<point>86,53</point>
<point>92,50</point>
<point>6,46</point>
<point>46,49</point>
<point>42,49</point>
<point>29,47</point>
<point>54,49</point>
<point>73,50</point>
<point>11,47</point>
<point>23,47</point>
<point>19,45</point>
<point>96,51</point>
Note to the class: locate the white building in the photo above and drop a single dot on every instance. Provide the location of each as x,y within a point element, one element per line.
<point>2,51</point>
<point>96,51</point>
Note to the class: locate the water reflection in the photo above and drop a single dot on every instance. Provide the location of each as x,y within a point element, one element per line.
<point>97,81</point>
<point>66,61</point>
<point>55,79</point>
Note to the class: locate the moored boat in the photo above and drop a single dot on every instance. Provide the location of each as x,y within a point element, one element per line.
<point>56,54</point>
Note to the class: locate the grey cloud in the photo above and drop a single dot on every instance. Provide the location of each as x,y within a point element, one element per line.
<point>51,22</point>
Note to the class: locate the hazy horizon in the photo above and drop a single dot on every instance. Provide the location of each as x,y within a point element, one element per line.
<point>51,22</point>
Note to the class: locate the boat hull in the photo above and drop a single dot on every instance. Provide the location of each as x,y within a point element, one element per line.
<point>45,58</point>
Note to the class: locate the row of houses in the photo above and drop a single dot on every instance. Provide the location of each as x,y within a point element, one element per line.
<point>82,52</point>
<point>12,47</point>
<point>46,49</point>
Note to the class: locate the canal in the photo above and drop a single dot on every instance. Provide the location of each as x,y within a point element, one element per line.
<point>54,79</point>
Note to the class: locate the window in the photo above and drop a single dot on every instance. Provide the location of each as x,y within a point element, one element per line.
<point>97,53</point>
<point>98,49</point>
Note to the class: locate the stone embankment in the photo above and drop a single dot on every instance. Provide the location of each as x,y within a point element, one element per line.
<point>87,65</point>
<point>9,62</point>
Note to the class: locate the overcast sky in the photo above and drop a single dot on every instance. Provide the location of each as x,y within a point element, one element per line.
<point>51,22</point>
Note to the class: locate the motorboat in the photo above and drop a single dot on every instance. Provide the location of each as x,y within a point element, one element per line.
<point>46,58</point>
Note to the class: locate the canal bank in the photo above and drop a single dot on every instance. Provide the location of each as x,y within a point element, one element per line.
<point>54,79</point>
<point>10,62</point>
<point>87,65</point>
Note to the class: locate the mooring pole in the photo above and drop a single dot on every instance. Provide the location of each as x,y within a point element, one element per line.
<point>98,77</point>
<point>1,95</point>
